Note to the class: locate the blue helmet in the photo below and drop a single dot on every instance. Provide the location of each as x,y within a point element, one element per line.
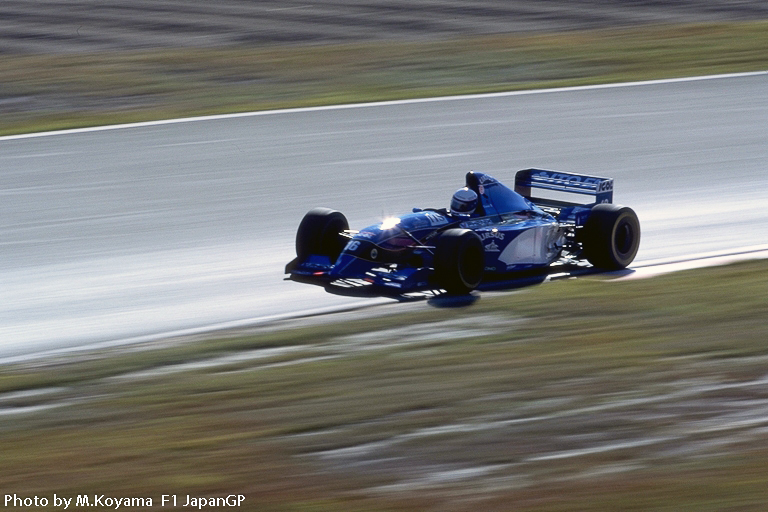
<point>464,202</point>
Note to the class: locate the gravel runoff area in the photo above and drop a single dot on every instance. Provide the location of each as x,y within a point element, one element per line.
<point>73,26</point>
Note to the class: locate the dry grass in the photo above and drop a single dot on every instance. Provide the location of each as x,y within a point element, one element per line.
<point>573,395</point>
<point>65,91</point>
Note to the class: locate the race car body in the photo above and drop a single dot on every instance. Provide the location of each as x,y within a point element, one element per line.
<point>508,231</point>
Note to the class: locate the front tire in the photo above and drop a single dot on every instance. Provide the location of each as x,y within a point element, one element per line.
<point>459,261</point>
<point>320,233</point>
<point>611,236</point>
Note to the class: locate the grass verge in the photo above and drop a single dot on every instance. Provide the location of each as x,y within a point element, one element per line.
<point>45,92</point>
<point>574,395</point>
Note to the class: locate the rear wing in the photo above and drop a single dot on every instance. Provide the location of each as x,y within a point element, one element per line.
<point>563,185</point>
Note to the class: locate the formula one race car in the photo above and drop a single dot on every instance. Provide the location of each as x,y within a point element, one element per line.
<point>489,230</point>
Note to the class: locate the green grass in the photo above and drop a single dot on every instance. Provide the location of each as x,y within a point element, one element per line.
<point>571,364</point>
<point>43,92</point>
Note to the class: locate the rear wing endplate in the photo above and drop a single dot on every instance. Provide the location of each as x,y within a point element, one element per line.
<point>563,182</point>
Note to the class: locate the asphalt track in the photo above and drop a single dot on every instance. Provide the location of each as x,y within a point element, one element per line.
<point>127,232</point>
<point>73,26</point>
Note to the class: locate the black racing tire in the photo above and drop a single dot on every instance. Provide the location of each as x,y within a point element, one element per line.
<point>611,236</point>
<point>320,233</point>
<point>459,261</point>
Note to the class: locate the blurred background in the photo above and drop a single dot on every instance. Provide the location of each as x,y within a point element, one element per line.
<point>649,395</point>
<point>79,63</point>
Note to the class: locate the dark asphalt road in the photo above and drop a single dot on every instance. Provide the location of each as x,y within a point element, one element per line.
<point>84,26</point>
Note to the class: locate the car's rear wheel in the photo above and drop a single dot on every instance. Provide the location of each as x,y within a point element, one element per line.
<point>320,233</point>
<point>459,261</point>
<point>611,236</point>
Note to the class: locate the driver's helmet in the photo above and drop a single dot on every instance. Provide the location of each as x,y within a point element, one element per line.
<point>464,202</point>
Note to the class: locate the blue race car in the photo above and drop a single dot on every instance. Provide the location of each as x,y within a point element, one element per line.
<point>489,230</point>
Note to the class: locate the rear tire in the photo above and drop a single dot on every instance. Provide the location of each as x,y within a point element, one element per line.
<point>459,261</point>
<point>611,236</point>
<point>320,233</point>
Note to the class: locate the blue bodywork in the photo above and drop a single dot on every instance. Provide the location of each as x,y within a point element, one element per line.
<point>518,233</point>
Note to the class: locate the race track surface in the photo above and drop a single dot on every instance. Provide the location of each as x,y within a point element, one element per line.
<point>117,233</point>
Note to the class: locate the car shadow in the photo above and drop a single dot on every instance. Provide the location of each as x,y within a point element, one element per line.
<point>440,299</point>
<point>447,300</point>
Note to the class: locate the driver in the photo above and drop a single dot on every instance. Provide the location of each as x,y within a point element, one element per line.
<point>463,202</point>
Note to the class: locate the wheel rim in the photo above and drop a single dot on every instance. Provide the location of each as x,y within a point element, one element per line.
<point>471,264</point>
<point>624,238</point>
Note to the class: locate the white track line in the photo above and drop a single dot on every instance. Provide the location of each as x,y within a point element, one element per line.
<point>648,268</point>
<point>710,259</point>
<point>381,104</point>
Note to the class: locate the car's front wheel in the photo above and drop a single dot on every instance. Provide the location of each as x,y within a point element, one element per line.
<point>611,236</point>
<point>459,261</point>
<point>320,233</point>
